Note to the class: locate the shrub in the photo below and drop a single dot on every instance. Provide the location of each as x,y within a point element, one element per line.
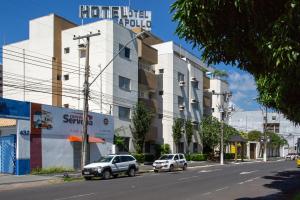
<point>196,157</point>
<point>139,157</point>
<point>229,156</point>
<point>165,148</point>
<point>50,170</point>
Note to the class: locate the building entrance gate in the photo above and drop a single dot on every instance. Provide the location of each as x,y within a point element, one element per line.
<point>8,154</point>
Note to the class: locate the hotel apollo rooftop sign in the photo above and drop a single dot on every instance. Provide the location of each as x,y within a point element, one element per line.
<point>122,14</point>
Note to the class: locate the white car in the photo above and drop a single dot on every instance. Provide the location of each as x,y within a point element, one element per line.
<point>111,165</point>
<point>291,156</point>
<point>170,162</point>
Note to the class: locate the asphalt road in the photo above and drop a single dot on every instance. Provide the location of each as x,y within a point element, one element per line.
<point>273,180</point>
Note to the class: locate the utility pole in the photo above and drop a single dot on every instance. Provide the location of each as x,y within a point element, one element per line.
<point>265,135</point>
<point>86,90</point>
<point>224,111</point>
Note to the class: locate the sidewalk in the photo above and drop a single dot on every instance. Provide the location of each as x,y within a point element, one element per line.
<point>12,179</point>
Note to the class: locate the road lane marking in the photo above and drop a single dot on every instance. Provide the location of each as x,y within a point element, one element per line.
<point>211,170</point>
<point>242,173</point>
<point>75,196</point>
<point>224,188</point>
<point>186,178</point>
<point>249,180</point>
<point>207,193</point>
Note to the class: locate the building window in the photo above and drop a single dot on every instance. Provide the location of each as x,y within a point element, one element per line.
<point>161,92</point>
<point>67,50</point>
<point>161,71</point>
<point>82,53</point>
<point>273,117</point>
<point>195,84</point>
<point>66,77</point>
<point>124,113</point>
<point>58,77</point>
<point>180,77</point>
<point>124,83</point>
<point>195,147</point>
<point>180,101</point>
<point>160,116</point>
<point>125,53</point>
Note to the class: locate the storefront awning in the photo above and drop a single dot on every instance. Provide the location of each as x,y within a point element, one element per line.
<point>74,138</point>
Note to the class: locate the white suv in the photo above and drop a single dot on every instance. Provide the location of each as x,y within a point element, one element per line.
<point>170,162</point>
<point>111,165</point>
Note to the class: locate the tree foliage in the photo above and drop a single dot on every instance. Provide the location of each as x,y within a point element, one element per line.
<point>254,135</point>
<point>177,130</point>
<point>261,37</point>
<point>210,132</point>
<point>141,122</point>
<point>189,131</point>
<point>276,140</point>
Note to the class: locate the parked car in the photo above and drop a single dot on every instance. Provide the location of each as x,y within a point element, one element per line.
<point>291,156</point>
<point>111,165</point>
<point>170,162</point>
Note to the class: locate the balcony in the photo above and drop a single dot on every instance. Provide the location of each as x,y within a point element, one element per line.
<point>206,83</point>
<point>147,53</point>
<point>152,134</point>
<point>147,78</point>
<point>149,103</point>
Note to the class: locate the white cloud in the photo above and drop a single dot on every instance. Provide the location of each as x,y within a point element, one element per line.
<point>243,88</point>
<point>241,82</point>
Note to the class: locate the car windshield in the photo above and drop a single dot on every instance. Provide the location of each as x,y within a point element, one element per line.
<point>166,157</point>
<point>105,159</point>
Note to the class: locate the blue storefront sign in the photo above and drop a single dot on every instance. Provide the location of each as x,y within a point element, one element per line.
<point>14,109</point>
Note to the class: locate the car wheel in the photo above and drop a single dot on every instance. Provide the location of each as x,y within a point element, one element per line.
<point>106,174</point>
<point>156,171</point>
<point>184,167</point>
<point>131,172</point>
<point>87,178</point>
<point>171,169</point>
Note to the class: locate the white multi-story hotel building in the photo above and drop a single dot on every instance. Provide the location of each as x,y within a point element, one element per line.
<point>48,68</point>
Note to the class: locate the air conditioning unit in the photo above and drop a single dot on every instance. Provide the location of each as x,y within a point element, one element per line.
<point>181,83</point>
<point>181,107</point>
<point>194,79</point>
<point>194,101</point>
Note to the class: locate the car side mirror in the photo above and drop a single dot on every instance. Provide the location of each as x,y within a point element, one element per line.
<point>114,162</point>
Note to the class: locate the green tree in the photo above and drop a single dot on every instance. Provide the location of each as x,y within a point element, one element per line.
<point>189,132</point>
<point>220,73</point>
<point>141,122</point>
<point>255,135</point>
<point>210,132</point>
<point>261,37</point>
<point>177,131</point>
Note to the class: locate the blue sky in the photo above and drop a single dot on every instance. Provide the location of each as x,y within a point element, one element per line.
<point>15,16</point>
